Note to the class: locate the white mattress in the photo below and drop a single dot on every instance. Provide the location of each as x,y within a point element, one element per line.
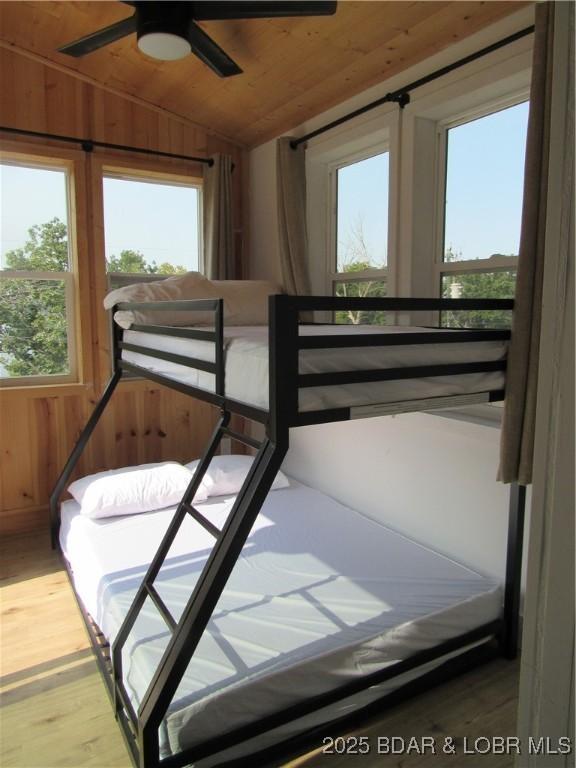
<point>246,365</point>
<point>320,596</point>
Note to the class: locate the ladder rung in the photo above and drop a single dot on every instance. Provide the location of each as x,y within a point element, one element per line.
<point>204,522</point>
<point>161,605</point>
<point>246,439</point>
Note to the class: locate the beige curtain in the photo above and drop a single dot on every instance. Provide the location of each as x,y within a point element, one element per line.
<point>218,232</point>
<point>293,236</point>
<point>517,440</point>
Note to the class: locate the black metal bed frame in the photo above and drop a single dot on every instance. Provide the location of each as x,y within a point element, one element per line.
<point>140,729</point>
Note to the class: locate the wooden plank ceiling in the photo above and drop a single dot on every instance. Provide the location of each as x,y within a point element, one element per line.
<point>293,68</point>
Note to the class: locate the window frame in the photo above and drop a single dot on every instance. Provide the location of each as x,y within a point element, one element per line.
<point>151,173</point>
<point>488,414</point>
<point>368,135</point>
<point>465,266</point>
<point>333,276</point>
<point>134,166</point>
<point>72,163</point>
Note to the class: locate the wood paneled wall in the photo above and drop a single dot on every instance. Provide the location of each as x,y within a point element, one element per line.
<point>143,422</point>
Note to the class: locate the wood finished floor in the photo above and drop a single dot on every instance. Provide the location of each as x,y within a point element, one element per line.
<point>56,713</point>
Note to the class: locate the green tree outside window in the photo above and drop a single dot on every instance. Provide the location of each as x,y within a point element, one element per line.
<point>33,327</point>
<point>478,285</point>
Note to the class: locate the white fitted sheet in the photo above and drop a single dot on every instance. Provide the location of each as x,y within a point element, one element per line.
<point>246,365</point>
<point>320,595</point>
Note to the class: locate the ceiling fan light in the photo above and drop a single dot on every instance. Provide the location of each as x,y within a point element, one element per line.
<point>164,45</point>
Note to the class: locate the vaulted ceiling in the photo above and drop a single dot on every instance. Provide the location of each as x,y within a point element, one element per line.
<point>294,68</point>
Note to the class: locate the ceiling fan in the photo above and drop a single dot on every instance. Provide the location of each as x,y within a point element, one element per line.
<point>167,30</point>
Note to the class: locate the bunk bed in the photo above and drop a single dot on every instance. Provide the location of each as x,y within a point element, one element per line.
<point>302,614</point>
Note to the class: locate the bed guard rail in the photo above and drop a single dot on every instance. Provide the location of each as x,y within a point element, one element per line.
<point>286,343</point>
<point>213,334</point>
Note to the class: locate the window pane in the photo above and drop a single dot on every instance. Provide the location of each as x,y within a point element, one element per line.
<point>150,228</point>
<point>478,285</point>
<point>484,185</point>
<point>34,219</point>
<point>33,328</point>
<point>362,218</point>
<point>363,289</point>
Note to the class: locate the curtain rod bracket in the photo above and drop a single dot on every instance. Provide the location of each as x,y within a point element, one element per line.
<point>402,99</point>
<point>87,145</point>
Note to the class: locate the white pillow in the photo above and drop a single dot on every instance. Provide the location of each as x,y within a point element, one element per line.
<point>191,285</point>
<point>131,490</point>
<point>226,474</point>
<point>245,301</point>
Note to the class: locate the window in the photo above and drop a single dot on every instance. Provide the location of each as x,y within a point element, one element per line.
<point>481,211</point>
<point>37,309</point>
<point>151,226</point>
<point>360,226</point>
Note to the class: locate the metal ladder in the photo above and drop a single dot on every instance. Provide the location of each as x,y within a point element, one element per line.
<point>187,632</point>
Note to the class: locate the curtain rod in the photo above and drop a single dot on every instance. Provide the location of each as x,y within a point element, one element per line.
<point>402,95</point>
<point>89,144</point>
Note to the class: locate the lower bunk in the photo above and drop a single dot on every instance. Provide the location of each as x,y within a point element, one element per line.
<point>322,601</point>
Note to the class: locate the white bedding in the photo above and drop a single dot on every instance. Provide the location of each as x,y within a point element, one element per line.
<point>246,366</point>
<point>320,595</point>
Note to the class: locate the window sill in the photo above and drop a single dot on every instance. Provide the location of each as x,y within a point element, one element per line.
<point>45,390</point>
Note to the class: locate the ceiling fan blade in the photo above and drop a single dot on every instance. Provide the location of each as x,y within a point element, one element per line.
<point>212,10</point>
<point>100,38</point>
<point>211,53</point>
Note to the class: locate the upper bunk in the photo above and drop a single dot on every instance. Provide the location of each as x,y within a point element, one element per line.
<point>303,368</point>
